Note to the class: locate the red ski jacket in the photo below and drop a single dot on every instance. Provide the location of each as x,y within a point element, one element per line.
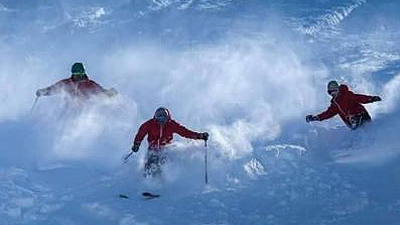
<point>81,88</point>
<point>346,104</point>
<point>160,135</point>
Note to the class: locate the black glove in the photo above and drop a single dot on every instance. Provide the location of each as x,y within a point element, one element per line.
<point>135,148</point>
<point>40,92</point>
<point>204,136</point>
<point>376,99</point>
<point>111,92</point>
<point>310,118</point>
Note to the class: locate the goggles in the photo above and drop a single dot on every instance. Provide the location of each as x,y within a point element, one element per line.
<point>332,91</point>
<point>161,118</point>
<point>78,74</point>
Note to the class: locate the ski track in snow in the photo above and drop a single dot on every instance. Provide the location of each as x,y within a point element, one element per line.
<point>91,17</point>
<point>329,22</point>
<point>214,5</point>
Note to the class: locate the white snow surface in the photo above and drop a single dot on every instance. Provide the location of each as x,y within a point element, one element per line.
<point>246,71</point>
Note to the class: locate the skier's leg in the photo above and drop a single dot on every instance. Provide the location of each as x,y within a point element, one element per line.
<point>365,118</point>
<point>152,165</point>
<point>362,119</point>
<point>359,120</point>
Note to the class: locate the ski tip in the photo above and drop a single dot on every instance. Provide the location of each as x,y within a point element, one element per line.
<point>123,196</point>
<point>149,195</point>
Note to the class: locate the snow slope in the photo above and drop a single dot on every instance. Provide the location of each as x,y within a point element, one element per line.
<point>246,71</point>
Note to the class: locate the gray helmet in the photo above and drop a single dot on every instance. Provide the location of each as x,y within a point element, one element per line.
<point>333,86</point>
<point>78,68</point>
<point>162,115</point>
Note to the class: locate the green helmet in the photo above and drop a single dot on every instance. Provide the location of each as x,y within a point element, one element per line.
<point>78,68</point>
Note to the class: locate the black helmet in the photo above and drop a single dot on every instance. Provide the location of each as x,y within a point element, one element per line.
<point>162,115</point>
<point>78,68</point>
<point>333,86</point>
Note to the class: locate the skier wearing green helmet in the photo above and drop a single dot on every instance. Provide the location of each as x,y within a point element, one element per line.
<point>77,86</point>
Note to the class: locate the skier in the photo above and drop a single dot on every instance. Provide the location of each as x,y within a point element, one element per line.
<point>347,104</point>
<point>78,86</point>
<point>159,131</point>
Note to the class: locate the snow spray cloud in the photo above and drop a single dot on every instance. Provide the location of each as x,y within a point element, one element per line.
<point>241,90</point>
<point>35,55</point>
<point>391,94</point>
<point>102,130</point>
<point>18,80</point>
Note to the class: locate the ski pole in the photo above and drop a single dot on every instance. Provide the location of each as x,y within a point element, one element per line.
<point>125,158</point>
<point>205,163</point>
<point>34,104</point>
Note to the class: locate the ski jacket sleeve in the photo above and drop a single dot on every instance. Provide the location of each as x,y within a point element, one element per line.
<point>329,113</point>
<point>97,88</point>
<point>142,132</point>
<point>55,88</point>
<point>364,99</point>
<point>184,132</point>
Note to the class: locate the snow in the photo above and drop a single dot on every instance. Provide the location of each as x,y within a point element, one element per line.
<point>246,71</point>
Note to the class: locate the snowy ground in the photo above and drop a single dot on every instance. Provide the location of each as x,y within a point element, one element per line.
<point>246,71</point>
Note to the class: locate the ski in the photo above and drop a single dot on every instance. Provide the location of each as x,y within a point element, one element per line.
<point>148,195</point>
<point>123,196</point>
<point>145,195</point>
<point>341,156</point>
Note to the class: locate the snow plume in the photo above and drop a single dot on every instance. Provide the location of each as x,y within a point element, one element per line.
<point>241,88</point>
<point>391,94</point>
<point>17,76</point>
<point>374,144</point>
<point>384,143</point>
<point>241,91</point>
<point>50,130</point>
<point>100,131</point>
<point>93,132</point>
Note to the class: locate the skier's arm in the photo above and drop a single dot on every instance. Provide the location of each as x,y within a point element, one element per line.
<point>142,132</point>
<point>184,132</point>
<point>99,89</point>
<point>329,113</point>
<point>364,99</point>
<point>51,90</point>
